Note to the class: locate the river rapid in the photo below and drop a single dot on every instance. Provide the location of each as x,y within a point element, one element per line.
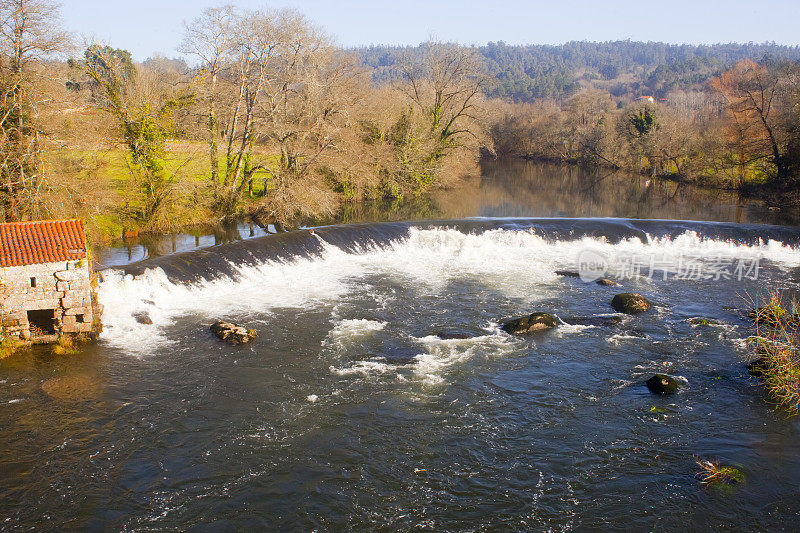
<point>381,393</point>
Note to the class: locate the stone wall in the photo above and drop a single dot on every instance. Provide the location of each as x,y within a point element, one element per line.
<point>64,287</point>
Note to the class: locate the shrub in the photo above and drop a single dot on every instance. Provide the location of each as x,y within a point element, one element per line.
<point>66,345</point>
<point>8,347</point>
<point>776,349</point>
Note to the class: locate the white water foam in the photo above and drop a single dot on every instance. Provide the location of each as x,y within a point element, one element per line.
<point>441,354</point>
<point>436,356</point>
<point>346,331</point>
<point>517,264</point>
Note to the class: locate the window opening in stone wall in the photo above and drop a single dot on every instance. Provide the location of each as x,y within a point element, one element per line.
<point>79,319</point>
<point>42,322</point>
<point>33,282</point>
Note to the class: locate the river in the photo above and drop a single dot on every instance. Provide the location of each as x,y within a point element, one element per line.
<point>381,393</point>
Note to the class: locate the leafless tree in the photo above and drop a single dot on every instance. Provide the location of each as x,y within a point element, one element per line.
<point>30,30</point>
<point>445,81</point>
<point>753,94</point>
<point>210,38</point>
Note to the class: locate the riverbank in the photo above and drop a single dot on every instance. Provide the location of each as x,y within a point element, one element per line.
<point>504,189</point>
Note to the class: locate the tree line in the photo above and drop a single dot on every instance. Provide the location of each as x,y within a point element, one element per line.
<point>267,118</point>
<point>741,131</point>
<point>524,73</point>
<point>272,121</point>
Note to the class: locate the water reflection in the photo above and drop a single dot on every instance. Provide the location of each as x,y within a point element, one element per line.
<point>504,189</point>
<point>520,188</point>
<point>144,246</point>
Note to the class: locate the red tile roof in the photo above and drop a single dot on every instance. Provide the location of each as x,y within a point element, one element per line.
<point>43,241</point>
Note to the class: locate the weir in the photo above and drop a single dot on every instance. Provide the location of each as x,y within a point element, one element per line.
<point>222,260</point>
<point>517,256</point>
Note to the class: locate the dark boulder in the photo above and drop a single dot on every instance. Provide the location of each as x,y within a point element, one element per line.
<point>599,321</point>
<point>232,333</point>
<point>758,367</point>
<point>453,335</point>
<point>605,282</point>
<point>662,384</point>
<point>142,317</point>
<point>630,303</point>
<point>568,273</point>
<point>529,324</point>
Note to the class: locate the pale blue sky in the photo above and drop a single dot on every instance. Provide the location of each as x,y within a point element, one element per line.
<point>148,26</point>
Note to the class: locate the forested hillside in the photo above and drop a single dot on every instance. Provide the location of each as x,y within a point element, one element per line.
<point>623,68</point>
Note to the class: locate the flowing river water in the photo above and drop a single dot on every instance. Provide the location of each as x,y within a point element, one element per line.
<point>381,393</point>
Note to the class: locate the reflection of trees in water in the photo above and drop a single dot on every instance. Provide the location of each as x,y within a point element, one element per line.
<point>523,188</point>
<point>153,245</point>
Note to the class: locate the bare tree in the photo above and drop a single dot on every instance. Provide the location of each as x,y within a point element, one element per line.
<point>30,30</point>
<point>279,83</point>
<point>752,94</point>
<point>210,38</point>
<point>443,82</point>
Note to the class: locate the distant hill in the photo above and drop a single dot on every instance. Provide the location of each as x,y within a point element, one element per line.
<point>524,73</point>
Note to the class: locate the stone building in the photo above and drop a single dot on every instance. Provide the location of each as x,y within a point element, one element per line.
<point>45,287</point>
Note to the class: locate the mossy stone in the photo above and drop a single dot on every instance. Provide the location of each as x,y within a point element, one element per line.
<point>530,324</point>
<point>630,303</point>
<point>767,315</point>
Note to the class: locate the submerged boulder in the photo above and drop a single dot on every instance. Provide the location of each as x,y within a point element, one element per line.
<point>757,368</point>
<point>529,324</point>
<point>605,282</point>
<point>630,303</point>
<point>232,333</point>
<point>453,335</point>
<point>568,273</point>
<point>77,387</point>
<point>662,384</point>
<point>599,321</point>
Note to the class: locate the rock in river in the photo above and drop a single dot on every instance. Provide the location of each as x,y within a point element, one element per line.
<point>142,317</point>
<point>232,333</point>
<point>767,315</point>
<point>630,303</point>
<point>529,324</point>
<point>662,384</point>
<point>76,387</point>
<point>757,368</point>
